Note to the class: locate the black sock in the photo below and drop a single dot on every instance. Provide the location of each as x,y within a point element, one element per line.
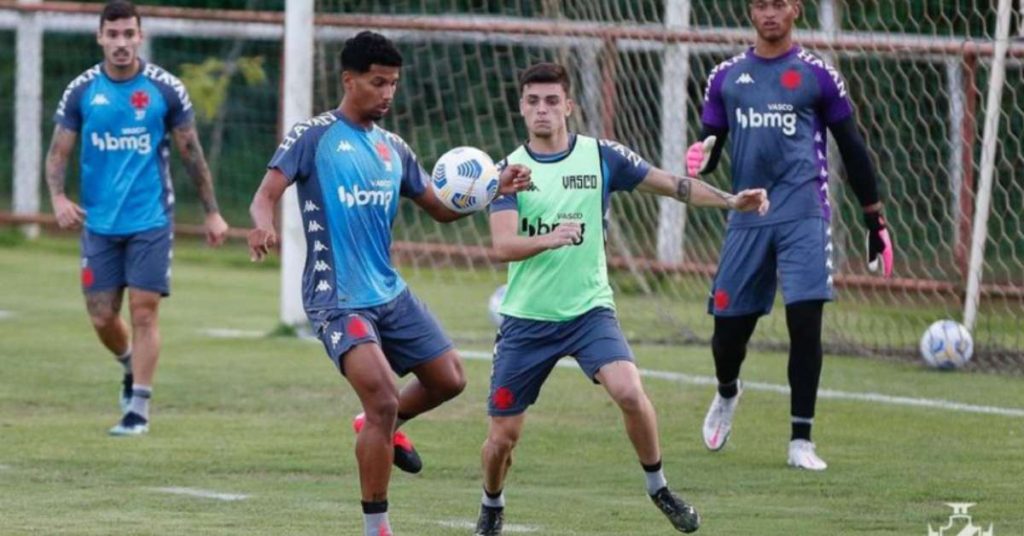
<point>800,430</point>
<point>729,347</point>
<point>805,356</point>
<point>375,507</point>
<point>729,390</point>
<point>656,466</point>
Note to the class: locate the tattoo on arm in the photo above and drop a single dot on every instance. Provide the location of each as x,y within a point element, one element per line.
<point>195,164</point>
<point>686,185</point>
<point>683,189</point>
<point>62,142</point>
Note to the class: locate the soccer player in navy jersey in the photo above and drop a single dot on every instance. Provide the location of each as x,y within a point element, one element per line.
<point>777,99</point>
<point>349,174</point>
<point>126,110</point>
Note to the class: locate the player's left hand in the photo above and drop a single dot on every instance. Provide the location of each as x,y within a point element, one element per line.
<point>880,254</point>
<point>514,178</point>
<point>216,229</point>
<point>751,200</point>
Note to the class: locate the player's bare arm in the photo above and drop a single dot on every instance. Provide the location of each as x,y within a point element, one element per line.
<point>69,215</point>
<point>513,179</point>
<point>701,194</point>
<point>509,246</point>
<point>263,237</point>
<point>186,138</point>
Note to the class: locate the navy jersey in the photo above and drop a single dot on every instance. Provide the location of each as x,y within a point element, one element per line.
<point>776,111</point>
<point>124,126</point>
<point>349,179</point>
<point>622,167</point>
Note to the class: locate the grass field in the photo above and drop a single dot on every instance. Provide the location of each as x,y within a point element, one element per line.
<point>268,418</point>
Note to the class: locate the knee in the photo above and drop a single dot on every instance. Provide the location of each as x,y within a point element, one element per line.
<point>104,320</point>
<point>502,441</point>
<point>144,317</point>
<point>631,400</point>
<point>381,409</point>
<point>454,385</point>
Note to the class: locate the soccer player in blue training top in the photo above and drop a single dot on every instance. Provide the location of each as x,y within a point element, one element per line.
<point>350,173</point>
<point>558,301</point>
<point>777,100</point>
<point>125,110</point>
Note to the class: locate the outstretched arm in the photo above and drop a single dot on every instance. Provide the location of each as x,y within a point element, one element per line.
<point>263,236</point>
<point>69,215</point>
<point>701,194</point>
<point>187,140</point>
<point>513,179</point>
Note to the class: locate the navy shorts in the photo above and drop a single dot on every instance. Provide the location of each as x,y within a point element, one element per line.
<point>753,259</point>
<point>406,331</point>
<point>526,351</point>
<point>141,260</point>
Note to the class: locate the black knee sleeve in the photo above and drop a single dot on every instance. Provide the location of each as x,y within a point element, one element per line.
<point>805,355</point>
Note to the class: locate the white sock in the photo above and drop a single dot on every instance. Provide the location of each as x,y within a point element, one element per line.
<point>140,400</point>
<point>376,524</point>
<point>655,477</point>
<point>125,360</point>
<point>493,502</point>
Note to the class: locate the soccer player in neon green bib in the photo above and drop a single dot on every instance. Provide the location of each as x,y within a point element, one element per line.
<point>559,302</point>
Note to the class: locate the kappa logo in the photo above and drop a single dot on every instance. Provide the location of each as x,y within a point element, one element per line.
<point>100,100</point>
<point>310,207</point>
<point>960,523</point>
<point>345,147</point>
<point>314,227</point>
<point>335,338</point>
<point>321,266</point>
<point>745,79</point>
<point>323,286</point>
<point>319,246</point>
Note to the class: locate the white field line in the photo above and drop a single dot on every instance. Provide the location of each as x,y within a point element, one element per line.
<point>467,524</point>
<point>876,398</point>
<point>203,493</point>
<point>221,333</point>
<point>694,379</point>
<point>4,315</point>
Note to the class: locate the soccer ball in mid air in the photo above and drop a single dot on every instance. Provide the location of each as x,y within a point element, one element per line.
<point>465,179</point>
<point>947,345</point>
<point>494,304</point>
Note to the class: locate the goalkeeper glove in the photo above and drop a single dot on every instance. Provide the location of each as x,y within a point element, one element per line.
<point>697,156</point>
<point>879,245</point>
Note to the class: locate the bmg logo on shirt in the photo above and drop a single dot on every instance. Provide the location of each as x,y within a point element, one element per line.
<point>133,139</point>
<point>360,198</point>
<point>781,116</point>
<point>540,227</point>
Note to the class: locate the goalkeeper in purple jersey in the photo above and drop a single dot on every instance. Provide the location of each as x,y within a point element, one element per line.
<point>777,100</point>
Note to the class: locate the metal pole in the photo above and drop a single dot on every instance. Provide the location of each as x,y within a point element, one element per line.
<point>297,106</point>
<point>28,98</point>
<point>674,106</point>
<point>988,164</point>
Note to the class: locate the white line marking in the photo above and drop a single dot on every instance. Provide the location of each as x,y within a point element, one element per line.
<point>203,494</point>
<point>466,524</point>
<point>4,467</point>
<point>221,333</point>
<point>4,315</point>
<point>822,393</point>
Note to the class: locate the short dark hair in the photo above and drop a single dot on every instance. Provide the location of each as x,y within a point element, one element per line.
<point>545,73</point>
<point>119,9</point>
<point>368,48</point>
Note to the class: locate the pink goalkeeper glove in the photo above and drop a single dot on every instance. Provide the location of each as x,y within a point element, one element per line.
<point>880,254</point>
<point>697,156</point>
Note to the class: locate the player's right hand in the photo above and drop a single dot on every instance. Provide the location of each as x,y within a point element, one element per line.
<point>567,233</point>
<point>260,243</point>
<point>880,254</point>
<point>69,215</point>
<point>698,154</point>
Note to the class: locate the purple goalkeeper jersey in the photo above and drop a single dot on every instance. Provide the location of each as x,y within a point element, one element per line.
<point>776,111</point>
